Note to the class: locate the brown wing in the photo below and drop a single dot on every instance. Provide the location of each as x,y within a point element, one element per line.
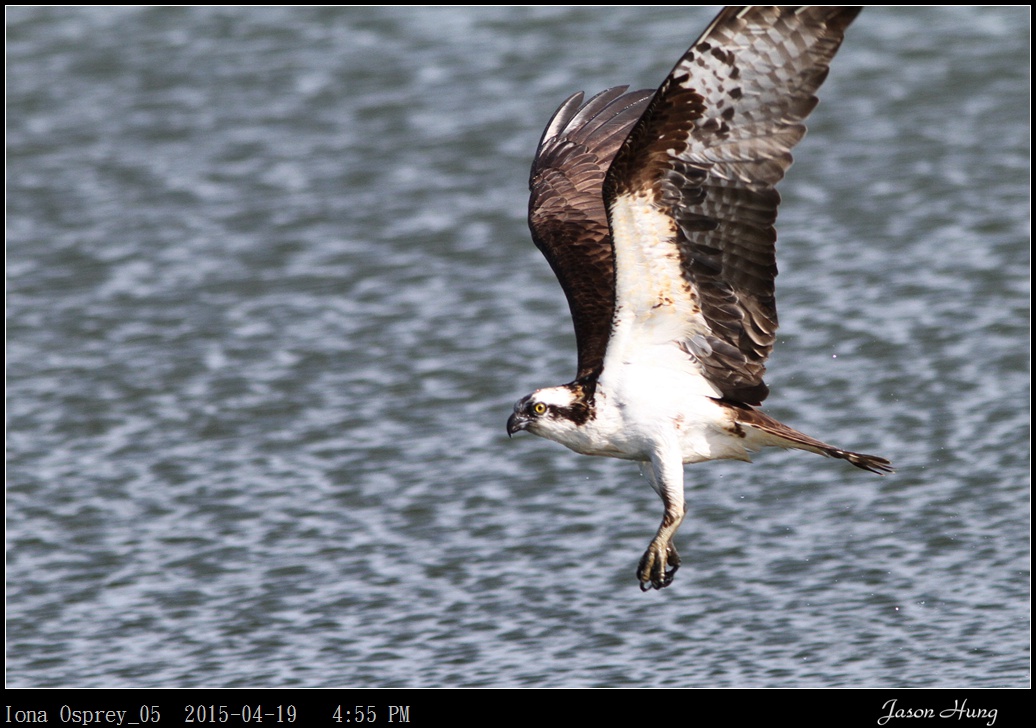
<point>566,210</point>
<point>708,150</point>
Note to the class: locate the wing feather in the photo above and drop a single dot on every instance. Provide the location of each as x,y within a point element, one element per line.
<point>707,152</point>
<point>566,210</point>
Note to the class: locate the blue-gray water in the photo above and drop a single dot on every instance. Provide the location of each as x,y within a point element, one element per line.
<point>271,296</point>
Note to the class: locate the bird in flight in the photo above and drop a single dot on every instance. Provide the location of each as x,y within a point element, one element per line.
<point>656,212</point>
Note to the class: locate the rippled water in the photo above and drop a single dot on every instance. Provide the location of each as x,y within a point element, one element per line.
<point>271,297</point>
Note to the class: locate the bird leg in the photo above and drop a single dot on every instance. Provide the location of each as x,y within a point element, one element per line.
<point>660,561</point>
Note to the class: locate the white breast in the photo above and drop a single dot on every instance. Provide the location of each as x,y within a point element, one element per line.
<point>643,407</point>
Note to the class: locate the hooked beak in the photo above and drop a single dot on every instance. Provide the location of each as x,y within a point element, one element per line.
<point>516,423</point>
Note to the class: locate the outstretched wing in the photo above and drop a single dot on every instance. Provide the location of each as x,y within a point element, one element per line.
<point>691,197</point>
<point>566,209</point>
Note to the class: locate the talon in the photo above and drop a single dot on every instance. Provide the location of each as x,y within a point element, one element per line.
<point>673,559</point>
<point>657,567</point>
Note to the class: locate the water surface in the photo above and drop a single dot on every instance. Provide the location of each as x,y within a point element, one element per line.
<point>271,296</point>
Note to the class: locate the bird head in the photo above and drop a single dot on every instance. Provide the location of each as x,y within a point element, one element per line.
<point>549,413</point>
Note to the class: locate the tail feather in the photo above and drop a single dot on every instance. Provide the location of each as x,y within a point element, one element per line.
<point>872,463</point>
<point>785,436</point>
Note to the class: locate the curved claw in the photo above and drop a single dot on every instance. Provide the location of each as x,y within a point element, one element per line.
<point>658,566</point>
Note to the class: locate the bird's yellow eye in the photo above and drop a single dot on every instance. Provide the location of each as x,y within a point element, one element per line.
<point>539,408</point>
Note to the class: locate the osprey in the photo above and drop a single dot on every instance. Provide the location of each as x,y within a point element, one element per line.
<point>656,212</point>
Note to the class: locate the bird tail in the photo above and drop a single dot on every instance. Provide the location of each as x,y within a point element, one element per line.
<point>781,435</point>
